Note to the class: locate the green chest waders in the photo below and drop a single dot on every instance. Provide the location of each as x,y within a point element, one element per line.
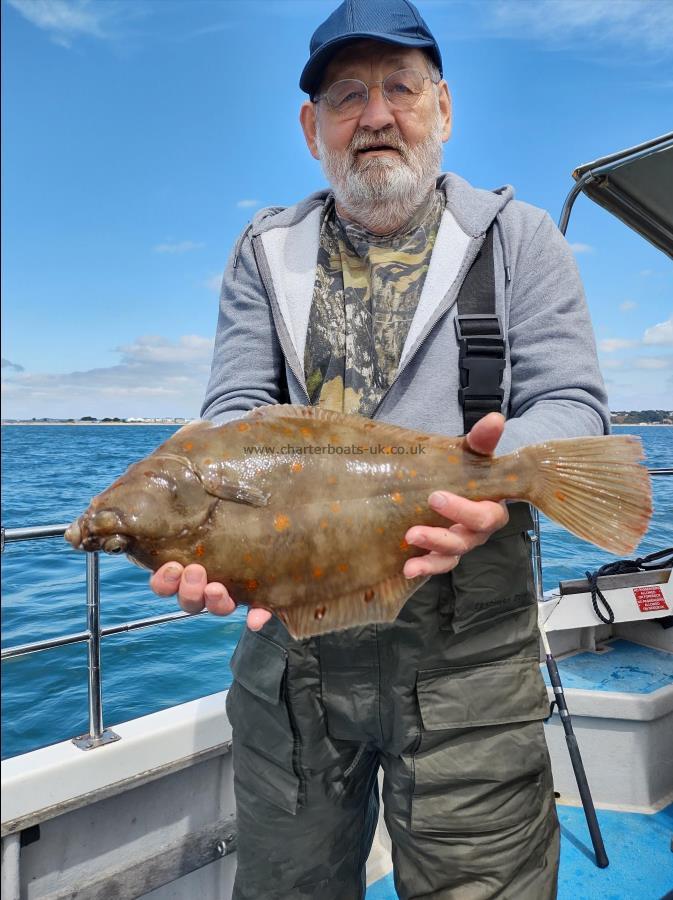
<point>448,701</point>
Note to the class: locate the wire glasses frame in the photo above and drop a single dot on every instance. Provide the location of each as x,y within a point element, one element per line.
<point>348,97</point>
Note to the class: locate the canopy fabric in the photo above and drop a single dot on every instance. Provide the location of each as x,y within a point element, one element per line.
<point>636,185</point>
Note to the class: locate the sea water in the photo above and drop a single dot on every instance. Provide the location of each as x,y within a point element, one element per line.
<point>50,473</point>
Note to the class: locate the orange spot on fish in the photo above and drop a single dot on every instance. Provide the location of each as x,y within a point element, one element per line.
<point>207,462</point>
<point>317,572</point>
<point>472,484</point>
<point>281,522</point>
<point>560,496</point>
<point>396,497</point>
<point>188,446</point>
<point>369,426</point>
<point>387,450</point>
<point>418,510</point>
<point>323,524</point>
<point>296,577</point>
<point>148,474</point>
<point>247,557</point>
<point>399,474</point>
<point>369,596</point>
<point>251,584</point>
<point>297,466</point>
<point>452,458</point>
<point>305,432</point>
<point>404,545</point>
<point>380,530</point>
<point>332,479</point>
<point>243,426</point>
<point>511,477</point>
<point>335,507</point>
<point>320,613</point>
<point>199,549</point>
<point>343,567</point>
<point>413,473</point>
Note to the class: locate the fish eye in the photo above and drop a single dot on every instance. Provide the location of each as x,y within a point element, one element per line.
<point>116,544</point>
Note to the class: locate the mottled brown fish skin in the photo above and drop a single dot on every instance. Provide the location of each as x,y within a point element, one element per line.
<point>293,505</point>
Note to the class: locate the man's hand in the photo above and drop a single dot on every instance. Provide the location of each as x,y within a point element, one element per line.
<point>195,592</point>
<point>474,521</point>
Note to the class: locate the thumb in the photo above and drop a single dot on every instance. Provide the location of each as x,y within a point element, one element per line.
<point>484,436</point>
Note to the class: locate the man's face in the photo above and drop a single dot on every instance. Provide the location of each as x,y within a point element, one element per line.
<point>382,154</point>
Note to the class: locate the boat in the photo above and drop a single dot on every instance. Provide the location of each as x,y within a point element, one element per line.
<point>146,808</point>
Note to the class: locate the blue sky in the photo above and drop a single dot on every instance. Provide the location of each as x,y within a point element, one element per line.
<point>139,136</point>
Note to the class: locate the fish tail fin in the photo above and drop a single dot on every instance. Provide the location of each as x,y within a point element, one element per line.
<point>595,488</point>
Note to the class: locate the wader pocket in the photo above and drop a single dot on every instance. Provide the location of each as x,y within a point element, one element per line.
<point>482,758</point>
<point>264,740</point>
<point>493,581</point>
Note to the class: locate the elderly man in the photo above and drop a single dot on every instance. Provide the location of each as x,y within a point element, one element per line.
<point>413,298</point>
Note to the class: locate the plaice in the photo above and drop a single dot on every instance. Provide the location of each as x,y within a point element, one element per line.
<point>303,511</point>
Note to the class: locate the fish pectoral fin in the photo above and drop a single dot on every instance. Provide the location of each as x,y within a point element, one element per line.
<point>378,603</point>
<point>219,486</point>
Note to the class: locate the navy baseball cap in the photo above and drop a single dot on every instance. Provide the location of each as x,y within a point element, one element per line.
<point>390,21</point>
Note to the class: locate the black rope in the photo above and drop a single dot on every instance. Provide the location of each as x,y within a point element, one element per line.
<point>663,559</point>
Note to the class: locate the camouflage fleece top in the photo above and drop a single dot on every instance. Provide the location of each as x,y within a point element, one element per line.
<point>366,291</point>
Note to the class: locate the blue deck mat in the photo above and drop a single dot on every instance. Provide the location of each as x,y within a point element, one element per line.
<point>638,847</point>
<point>625,667</point>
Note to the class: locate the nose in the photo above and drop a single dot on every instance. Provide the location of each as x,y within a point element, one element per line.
<point>377,113</point>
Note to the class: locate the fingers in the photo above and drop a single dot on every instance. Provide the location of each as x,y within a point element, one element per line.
<point>484,436</point>
<point>218,600</point>
<point>478,515</point>
<point>430,564</point>
<point>192,588</point>
<point>474,522</point>
<point>258,618</point>
<point>166,580</point>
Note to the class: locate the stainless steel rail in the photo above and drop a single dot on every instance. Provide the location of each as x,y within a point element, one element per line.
<point>97,734</point>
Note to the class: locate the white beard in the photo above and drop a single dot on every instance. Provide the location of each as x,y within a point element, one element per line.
<point>382,193</point>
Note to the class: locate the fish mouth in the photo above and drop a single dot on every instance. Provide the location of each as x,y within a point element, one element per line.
<point>86,533</point>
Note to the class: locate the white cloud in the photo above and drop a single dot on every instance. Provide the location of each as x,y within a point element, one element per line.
<point>646,24</point>
<point>581,248</point>
<point>247,204</point>
<point>178,247</point>
<point>654,362</point>
<point>154,377</point>
<point>660,334</point>
<point>627,305</point>
<point>609,345</point>
<point>66,20</point>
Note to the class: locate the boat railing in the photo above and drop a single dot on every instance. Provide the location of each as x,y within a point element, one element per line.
<point>98,734</point>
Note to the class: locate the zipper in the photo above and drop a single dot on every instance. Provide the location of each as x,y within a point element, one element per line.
<point>267,281</point>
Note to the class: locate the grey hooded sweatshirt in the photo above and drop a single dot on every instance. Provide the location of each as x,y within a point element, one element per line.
<point>552,384</point>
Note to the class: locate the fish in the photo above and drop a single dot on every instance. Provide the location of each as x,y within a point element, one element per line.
<point>303,511</point>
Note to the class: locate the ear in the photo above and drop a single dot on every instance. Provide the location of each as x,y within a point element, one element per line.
<point>445,109</point>
<point>307,115</point>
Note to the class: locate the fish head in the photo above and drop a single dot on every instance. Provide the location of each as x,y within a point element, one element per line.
<point>156,499</point>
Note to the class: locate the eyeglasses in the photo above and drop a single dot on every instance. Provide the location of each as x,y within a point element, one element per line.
<point>348,98</point>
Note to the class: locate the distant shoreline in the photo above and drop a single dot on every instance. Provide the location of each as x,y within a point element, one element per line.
<point>89,424</point>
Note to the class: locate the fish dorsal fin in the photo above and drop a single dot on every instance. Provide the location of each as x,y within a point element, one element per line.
<point>372,428</point>
<point>379,603</point>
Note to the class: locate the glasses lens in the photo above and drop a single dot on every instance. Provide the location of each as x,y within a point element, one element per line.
<point>348,96</point>
<point>403,88</point>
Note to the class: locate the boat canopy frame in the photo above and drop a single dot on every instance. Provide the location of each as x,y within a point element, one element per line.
<point>635,185</point>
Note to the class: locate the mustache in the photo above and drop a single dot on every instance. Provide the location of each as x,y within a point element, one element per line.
<point>363,140</point>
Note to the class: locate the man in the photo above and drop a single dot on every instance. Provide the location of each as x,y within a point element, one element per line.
<point>349,301</point>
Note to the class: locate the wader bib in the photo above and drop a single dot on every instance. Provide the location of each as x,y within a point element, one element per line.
<point>448,700</point>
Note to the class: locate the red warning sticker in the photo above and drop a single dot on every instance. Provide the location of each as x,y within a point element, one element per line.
<point>650,599</point>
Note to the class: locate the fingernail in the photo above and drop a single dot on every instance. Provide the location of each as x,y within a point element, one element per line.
<point>192,576</point>
<point>172,573</point>
<point>437,500</point>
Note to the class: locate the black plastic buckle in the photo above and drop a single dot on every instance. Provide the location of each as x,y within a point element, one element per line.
<point>481,361</point>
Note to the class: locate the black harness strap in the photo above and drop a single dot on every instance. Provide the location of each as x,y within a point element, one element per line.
<point>480,339</point>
